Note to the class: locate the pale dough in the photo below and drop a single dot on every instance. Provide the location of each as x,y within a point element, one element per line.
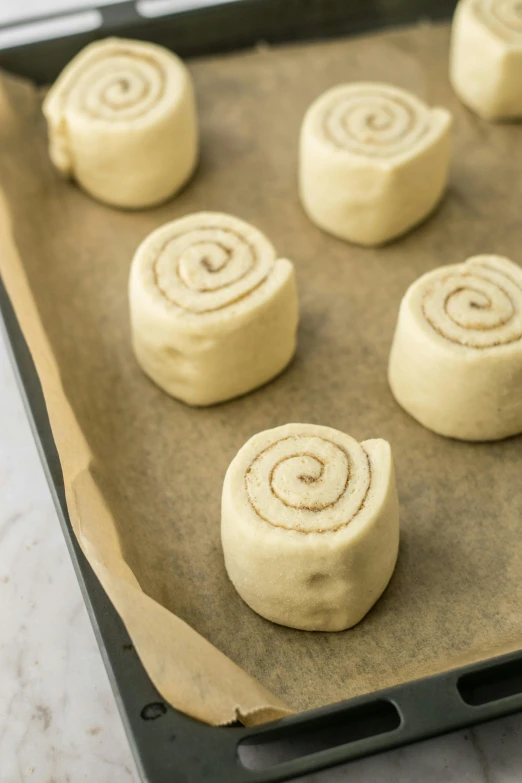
<point>456,358</point>
<point>122,122</point>
<point>310,525</point>
<point>373,161</point>
<point>486,57</point>
<point>214,312</point>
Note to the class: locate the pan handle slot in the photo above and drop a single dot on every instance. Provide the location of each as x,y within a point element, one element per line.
<point>270,747</point>
<point>491,683</point>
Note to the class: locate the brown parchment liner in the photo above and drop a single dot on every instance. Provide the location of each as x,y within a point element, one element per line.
<point>143,473</point>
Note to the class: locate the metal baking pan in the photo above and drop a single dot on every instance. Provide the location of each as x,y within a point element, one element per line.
<point>168,745</point>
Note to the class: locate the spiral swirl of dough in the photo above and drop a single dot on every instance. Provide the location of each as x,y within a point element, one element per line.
<point>121,86</point>
<point>208,261</point>
<point>373,119</point>
<point>309,483</point>
<point>479,305</point>
<point>121,81</point>
<point>503,17</point>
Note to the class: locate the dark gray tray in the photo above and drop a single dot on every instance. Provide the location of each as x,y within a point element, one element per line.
<point>168,746</point>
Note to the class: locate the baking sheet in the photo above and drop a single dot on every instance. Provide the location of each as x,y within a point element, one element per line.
<point>143,472</point>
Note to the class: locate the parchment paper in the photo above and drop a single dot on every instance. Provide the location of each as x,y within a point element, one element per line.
<point>144,473</point>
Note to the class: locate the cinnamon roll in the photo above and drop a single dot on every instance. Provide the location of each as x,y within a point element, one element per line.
<point>456,358</point>
<point>310,525</point>
<point>486,57</point>
<point>214,312</point>
<point>122,122</point>
<point>373,161</point>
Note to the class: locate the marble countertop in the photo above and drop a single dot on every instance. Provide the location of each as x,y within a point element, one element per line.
<point>58,718</point>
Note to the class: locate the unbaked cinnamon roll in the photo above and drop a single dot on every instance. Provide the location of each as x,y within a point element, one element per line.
<point>373,161</point>
<point>486,57</point>
<point>122,122</point>
<point>310,525</point>
<point>456,358</point>
<point>214,312</point>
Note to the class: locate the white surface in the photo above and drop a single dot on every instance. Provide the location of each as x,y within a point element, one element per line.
<point>58,718</point>
<point>45,30</point>
<point>11,11</point>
